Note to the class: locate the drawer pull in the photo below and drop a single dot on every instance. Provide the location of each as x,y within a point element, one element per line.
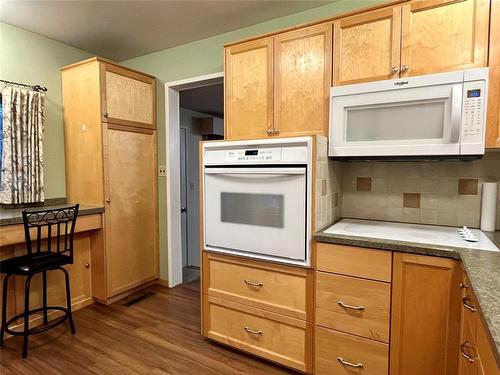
<point>345,363</point>
<point>466,301</point>
<point>463,286</point>
<point>253,331</point>
<point>345,306</point>
<point>465,355</point>
<point>253,283</point>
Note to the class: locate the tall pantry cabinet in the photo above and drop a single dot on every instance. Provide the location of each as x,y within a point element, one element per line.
<point>110,146</point>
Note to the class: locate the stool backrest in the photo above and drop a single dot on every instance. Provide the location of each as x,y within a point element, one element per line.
<point>50,230</point>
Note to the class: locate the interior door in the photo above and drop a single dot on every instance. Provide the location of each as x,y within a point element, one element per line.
<point>131,212</point>
<point>249,89</point>
<point>366,47</point>
<point>261,211</point>
<point>439,36</point>
<point>302,79</point>
<point>184,200</point>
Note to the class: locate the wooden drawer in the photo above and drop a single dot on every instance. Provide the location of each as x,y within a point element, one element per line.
<point>332,347</point>
<point>374,297</point>
<point>279,338</point>
<point>275,288</point>
<point>354,261</point>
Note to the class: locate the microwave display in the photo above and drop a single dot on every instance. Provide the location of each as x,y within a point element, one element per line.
<point>476,93</point>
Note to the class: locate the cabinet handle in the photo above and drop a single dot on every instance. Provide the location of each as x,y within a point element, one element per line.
<point>253,331</point>
<point>87,265</point>
<point>394,69</point>
<point>108,199</point>
<point>270,131</point>
<point>253,283</point>
<point>346,363</point>
<point>105,114</point>
<point>345,306</point>
<point>463,286</point>
<point>276,132</point>
<point>465,355</point>
<point>405,68</point>
<point>466,301</point>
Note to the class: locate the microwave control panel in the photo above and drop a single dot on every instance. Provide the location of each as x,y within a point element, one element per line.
<point>473,115</point>
<point>253,155</point>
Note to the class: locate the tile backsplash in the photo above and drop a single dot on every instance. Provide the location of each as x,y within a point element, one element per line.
<point>430,192</point>
<point>327,185</point>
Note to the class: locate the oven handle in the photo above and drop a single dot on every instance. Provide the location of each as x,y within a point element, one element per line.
<point>261,171</point>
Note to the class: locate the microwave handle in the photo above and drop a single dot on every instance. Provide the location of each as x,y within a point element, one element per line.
<point>456,113</point>
<point>256,171</point>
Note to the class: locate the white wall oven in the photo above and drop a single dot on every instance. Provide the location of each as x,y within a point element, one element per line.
<point>431,115</point>
<point>257,198</point>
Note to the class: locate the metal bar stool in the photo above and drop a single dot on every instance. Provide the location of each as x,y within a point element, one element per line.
<point>50,249</point>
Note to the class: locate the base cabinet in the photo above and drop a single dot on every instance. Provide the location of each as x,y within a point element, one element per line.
<point>425,323</point>
<point>259,307</point>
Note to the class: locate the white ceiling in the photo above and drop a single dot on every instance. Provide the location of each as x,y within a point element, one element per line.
<point>121,30</point>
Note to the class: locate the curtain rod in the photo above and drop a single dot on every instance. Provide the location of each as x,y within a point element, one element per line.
<point>35,87</point>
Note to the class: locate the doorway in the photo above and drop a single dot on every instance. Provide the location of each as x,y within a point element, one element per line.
<point>194,112</point>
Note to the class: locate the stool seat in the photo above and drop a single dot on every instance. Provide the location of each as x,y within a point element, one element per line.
<point>29,264</point>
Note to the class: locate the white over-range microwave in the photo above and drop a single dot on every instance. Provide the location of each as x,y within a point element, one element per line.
<point>433,115</point>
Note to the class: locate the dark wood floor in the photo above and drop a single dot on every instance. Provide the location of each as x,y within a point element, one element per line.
<point>158,335</point>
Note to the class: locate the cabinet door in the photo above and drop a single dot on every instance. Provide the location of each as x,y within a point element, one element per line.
<point>439,36</point>
<point>128,97</point>
<point>302,78</point>
<point>425,322</point>
<point>493,113</point>
<point>249,89</point>
<point>366,47</point>
<point>131,213</point>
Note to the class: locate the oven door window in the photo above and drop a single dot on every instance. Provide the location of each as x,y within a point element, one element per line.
<point>256,210</point>
<point>253,209</point>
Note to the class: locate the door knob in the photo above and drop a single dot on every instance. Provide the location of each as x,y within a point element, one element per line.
<point>183,209</point>
<point>108,199</point>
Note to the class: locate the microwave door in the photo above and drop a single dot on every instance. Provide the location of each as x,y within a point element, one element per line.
<point>414,121</point>
<point>256,211</point>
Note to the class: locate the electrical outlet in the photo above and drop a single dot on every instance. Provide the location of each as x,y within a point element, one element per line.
<point>162,171</point>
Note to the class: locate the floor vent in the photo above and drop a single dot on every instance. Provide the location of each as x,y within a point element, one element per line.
<point>138,297</point>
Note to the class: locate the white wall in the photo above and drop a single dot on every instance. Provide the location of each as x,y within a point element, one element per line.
<point>193,183</point>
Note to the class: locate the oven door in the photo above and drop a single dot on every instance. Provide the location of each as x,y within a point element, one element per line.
<point>257,211</point>
<point>414,121</point>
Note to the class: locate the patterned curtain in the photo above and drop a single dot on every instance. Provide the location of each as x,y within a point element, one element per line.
<point>22,152</point>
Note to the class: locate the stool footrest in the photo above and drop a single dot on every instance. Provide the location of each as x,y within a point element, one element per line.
<point>44,327</point>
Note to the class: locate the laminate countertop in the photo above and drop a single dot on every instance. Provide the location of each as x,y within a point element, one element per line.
<point>12,216</point>
<point>483,268</point>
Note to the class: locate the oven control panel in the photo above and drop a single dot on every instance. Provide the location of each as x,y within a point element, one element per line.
<point>253,155</point>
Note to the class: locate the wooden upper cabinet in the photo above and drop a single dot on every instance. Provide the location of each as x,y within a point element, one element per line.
<point>128,97</point>
<point>425,316</point>
<point>249,89</point>
<point>366,47</point>
<point>302,78</point>
<point>493,113</point>
<point>444,35</point>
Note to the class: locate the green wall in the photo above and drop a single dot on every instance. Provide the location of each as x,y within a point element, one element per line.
<point>207,56</point>
<point>33,59</point>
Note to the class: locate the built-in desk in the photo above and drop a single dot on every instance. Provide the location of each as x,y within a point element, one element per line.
<point>88,236</point>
